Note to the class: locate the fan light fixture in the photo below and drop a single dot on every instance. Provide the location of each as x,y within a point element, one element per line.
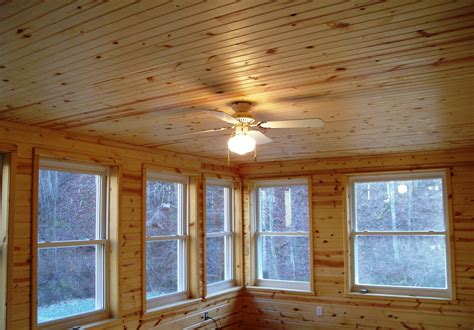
<point>241,143</point>
<point>246,130</point>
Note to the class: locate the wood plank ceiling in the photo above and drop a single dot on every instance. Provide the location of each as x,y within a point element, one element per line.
<point>385,76</point>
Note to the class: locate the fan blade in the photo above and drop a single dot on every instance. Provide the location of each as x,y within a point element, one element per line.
<point>259,137</point>
<point>207,131</point>
<point>296,123</point>
<point>222,116</point>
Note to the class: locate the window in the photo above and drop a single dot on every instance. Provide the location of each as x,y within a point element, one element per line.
<point>282,226</point>
<point>4,200</point>
<point>72,241</point>
<point>399,238</point>
<point>219,235</point>
<point>166,239</point>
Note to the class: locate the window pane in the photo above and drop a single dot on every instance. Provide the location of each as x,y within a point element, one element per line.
<point>66,282</point>
<point>215,259</point>
<point>215,208</point>
<point>163,207</point>
<point>285,258</point>
<point>67,205</point>
<point>283,208</point>
<point>415,261</point>
<point>400,205</point>
<point>162,261</point>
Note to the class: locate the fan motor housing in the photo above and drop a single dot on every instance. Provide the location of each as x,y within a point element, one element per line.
<point>242,112</point>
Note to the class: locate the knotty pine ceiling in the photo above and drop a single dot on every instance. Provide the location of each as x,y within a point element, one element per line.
<point>385,76</point>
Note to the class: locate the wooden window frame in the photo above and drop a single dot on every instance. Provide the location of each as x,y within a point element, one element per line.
<point>7,193</point>
<point>228,234</point>
<point>256,280</point>
<point>182,237</point>
<point>101,242</point>
<point>396,291</point>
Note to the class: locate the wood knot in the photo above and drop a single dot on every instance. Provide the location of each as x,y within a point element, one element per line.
<point>338,25</point>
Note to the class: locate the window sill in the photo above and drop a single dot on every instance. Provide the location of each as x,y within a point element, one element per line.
<point>279,290</point>
<point>153,312</point>
<point>81,320</point>
<point>223,292</point>
<point>440,300</point>
<point>102,324</point>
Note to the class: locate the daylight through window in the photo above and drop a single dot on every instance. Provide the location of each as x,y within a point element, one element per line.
<point>399,235</point>
<point>166,238</point>
<point>219,235</point>
<point>282,234</point>
<point>72,240</point>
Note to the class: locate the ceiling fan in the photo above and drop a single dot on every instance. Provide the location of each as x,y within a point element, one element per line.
<point>246,134</point>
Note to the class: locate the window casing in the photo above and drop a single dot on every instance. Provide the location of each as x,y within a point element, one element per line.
<point>72,242</point>
<point>281,241</point>
<point>398,234</point>
<point>4,209</point>
<point>166,239</point>
<point>219,235</point>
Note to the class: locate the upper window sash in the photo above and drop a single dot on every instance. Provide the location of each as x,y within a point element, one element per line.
<point>228,202</point>
<point>397,176</point>
<point>102,199</point>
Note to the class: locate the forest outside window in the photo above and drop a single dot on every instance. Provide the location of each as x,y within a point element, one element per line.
<point>399,235</point>
<point>166,239</point>
<point>282,241</point>
<point>72,241</point>
<point>219,235</point>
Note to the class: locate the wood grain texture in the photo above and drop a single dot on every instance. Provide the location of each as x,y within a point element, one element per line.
<point>280,310</point>
<point>385,76</point>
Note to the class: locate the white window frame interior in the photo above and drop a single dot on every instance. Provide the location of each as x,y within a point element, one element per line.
<point>258,235</point>
<point>101,242</point>
<point>182,237</point>
<point>228,234</point>
<point>4,180</point>
<point>352,234</point>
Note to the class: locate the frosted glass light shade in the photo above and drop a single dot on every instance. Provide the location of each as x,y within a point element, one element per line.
<point>241,144</point>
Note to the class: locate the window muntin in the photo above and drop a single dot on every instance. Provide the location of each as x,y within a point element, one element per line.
<point>282,234</point>
<point>219,235</point>
<point>72,241</point>
<point>166,239</point>
<point>399,235</point>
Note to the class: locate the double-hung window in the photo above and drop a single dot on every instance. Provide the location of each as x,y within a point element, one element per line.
<point>72,241</point>
<point>166,239</point>
<point>281,234</point>
<point>399,235</point>
<point>219,235</point>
